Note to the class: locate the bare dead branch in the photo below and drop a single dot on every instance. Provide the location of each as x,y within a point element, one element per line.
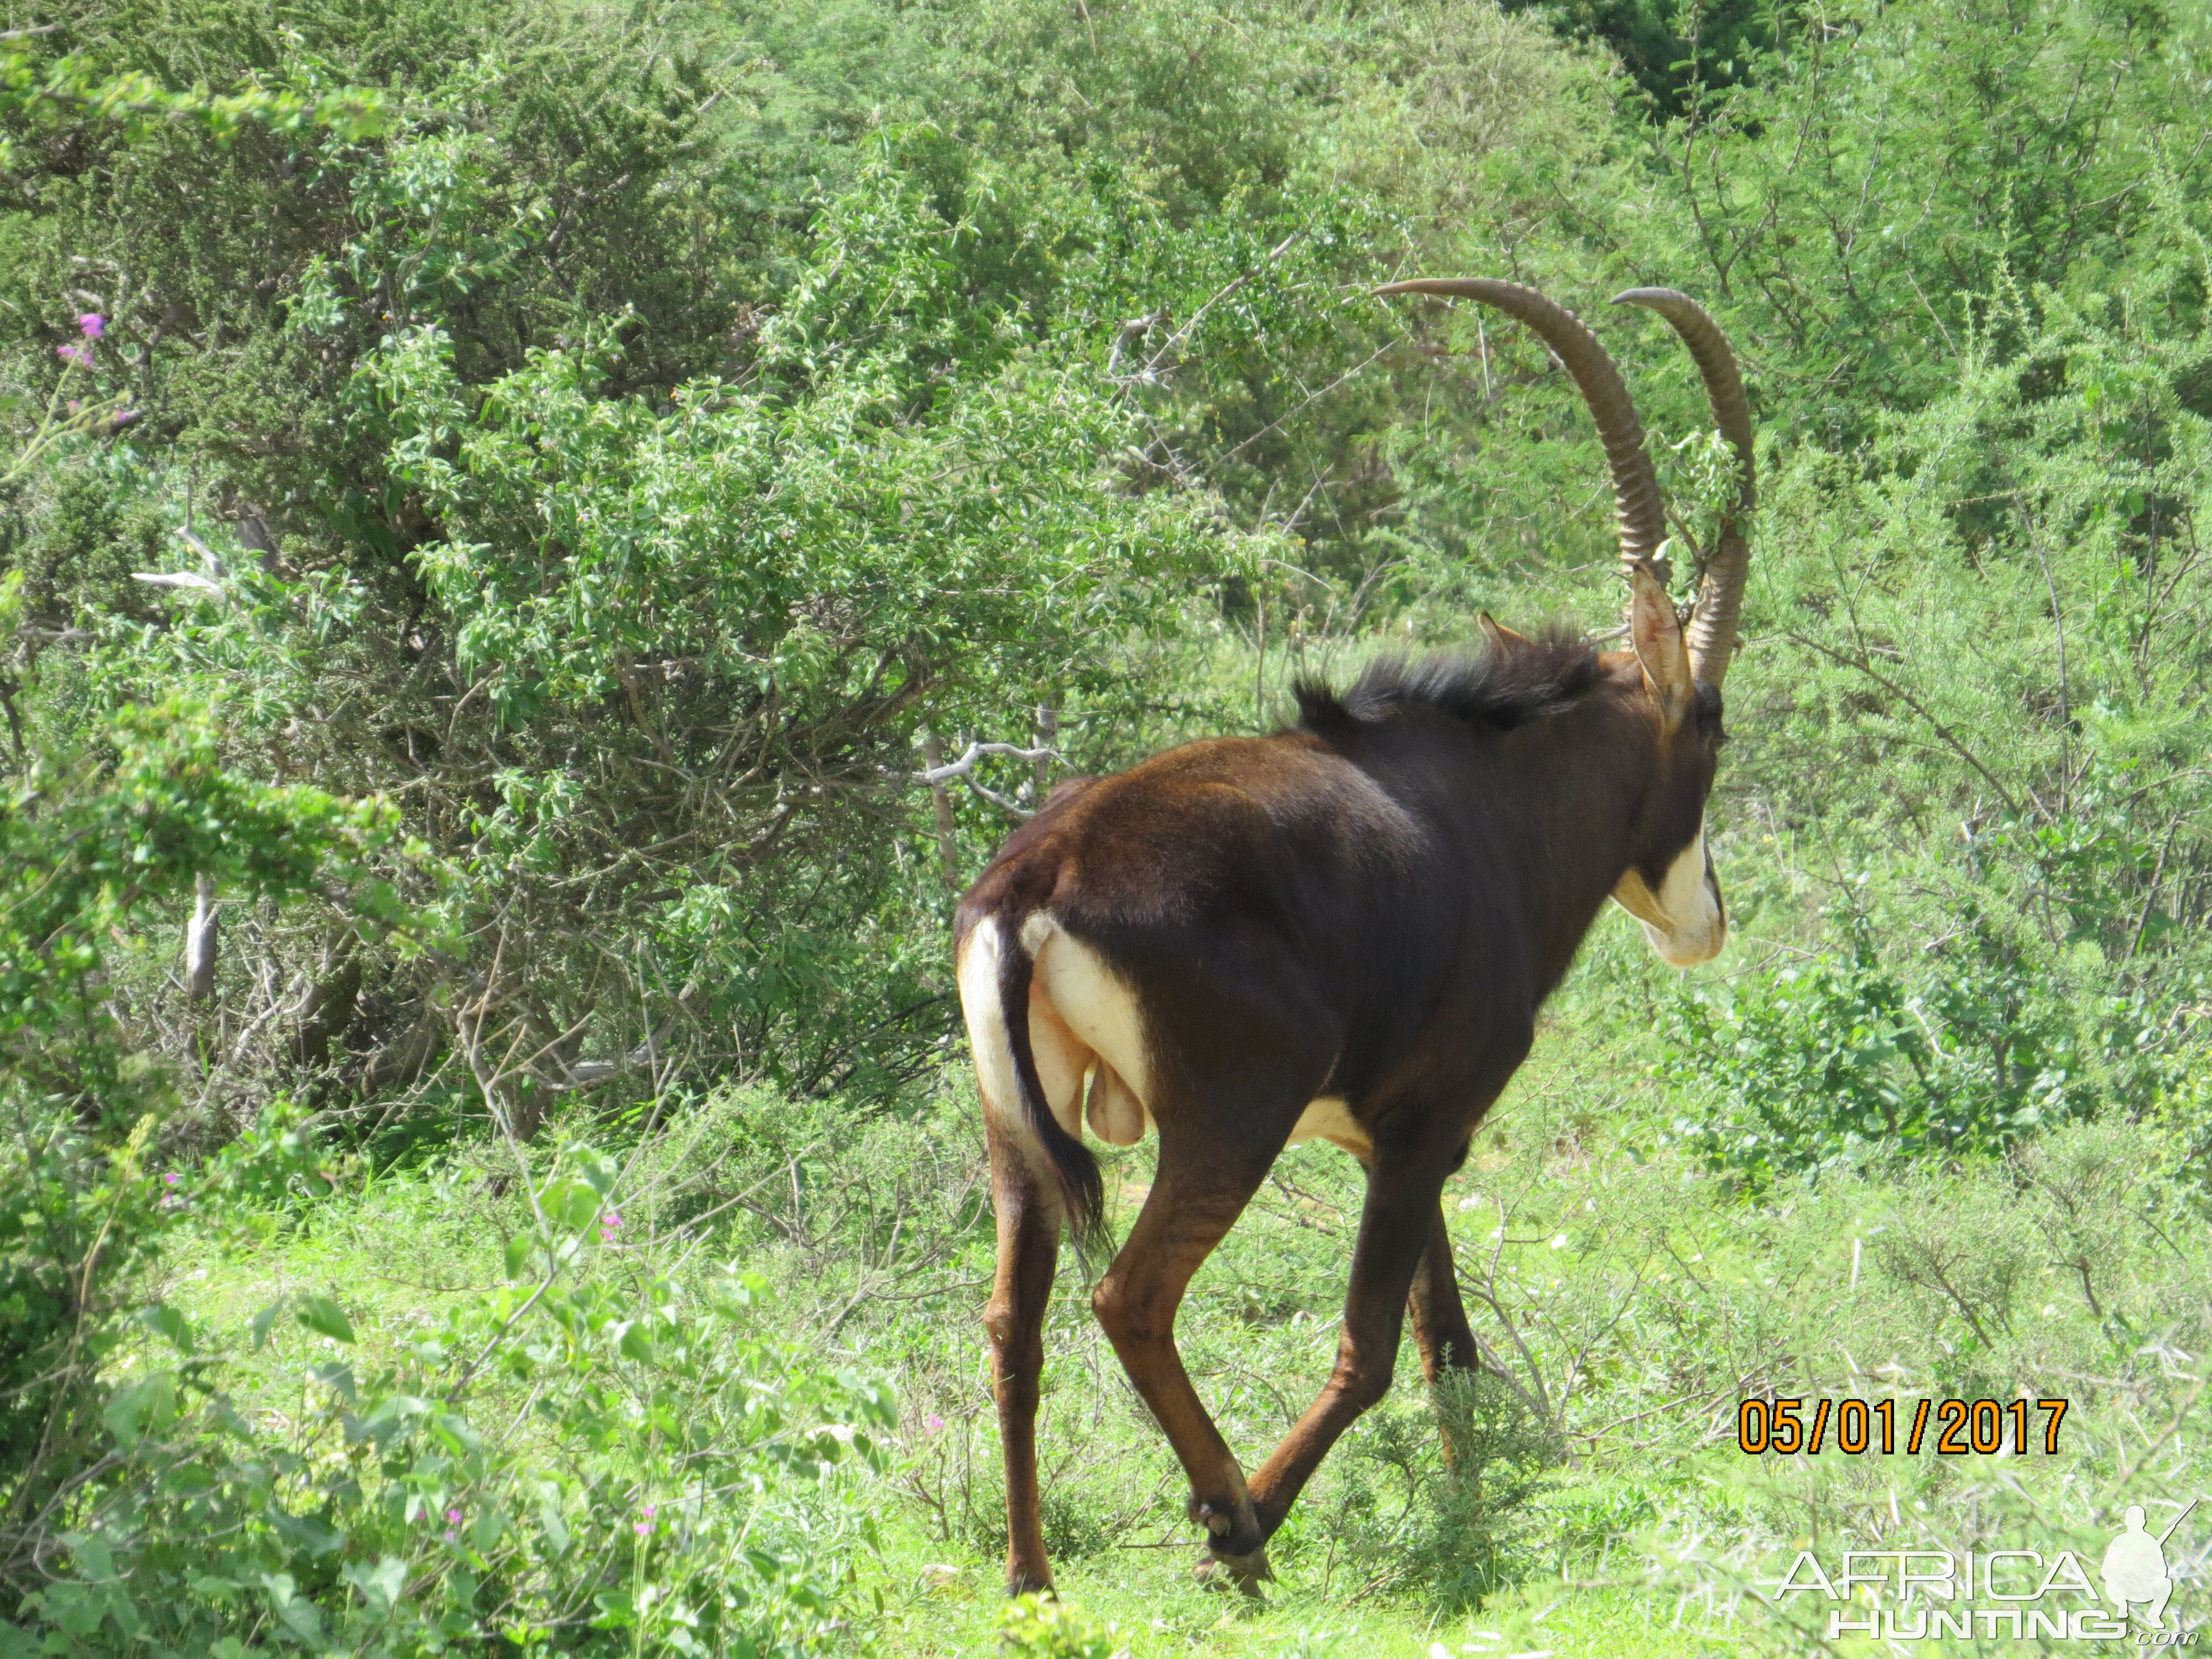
<point>201,941</point>
<point>187,578</point>
<point>965,766</point>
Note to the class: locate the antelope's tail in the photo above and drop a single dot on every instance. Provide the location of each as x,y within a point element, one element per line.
<point>1072,1163</point>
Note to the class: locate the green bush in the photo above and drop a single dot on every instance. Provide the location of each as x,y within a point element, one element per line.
<point>594,1459</point>
<point>95,841</point>
<point>1832,1061</point>
<point>1445,1500</point>
<point>1045,1627</point>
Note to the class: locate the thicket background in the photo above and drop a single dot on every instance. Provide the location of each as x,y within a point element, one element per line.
<point>489,1162</point>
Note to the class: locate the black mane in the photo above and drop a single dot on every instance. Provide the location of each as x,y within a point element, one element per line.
<point>1505,687</point>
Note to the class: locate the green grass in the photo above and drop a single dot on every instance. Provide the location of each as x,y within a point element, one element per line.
<point>1630,1300</point>
<point>1155,1610</point>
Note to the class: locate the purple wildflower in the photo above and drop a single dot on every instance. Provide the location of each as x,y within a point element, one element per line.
<point>932,1424</point>
<point>171,1179</point>
<point>454,1516</point>
<point>74,354</point>
<point>93,323</point>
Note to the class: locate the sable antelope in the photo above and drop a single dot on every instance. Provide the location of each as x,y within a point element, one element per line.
<point>1342,931</point>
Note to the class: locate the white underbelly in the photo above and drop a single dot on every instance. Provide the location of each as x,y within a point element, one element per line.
<point>1329,1119</point>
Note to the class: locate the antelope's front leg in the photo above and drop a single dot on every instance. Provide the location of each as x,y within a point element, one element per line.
<point>1401,1216</point>
<point>1441,1332</point>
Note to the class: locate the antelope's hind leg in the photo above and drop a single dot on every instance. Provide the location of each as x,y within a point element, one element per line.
<point>1192,1206</point>
<point>1026,1199</point>
<point>1220,1132</point>
<point>1029,1215</point>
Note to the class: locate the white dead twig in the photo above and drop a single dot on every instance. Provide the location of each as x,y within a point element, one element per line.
<point>176,578</point>
<point>192,581</point>
<point>200,940</point>
<point>209,556</point>
<point>589,1073</point>
<point>965,769</point>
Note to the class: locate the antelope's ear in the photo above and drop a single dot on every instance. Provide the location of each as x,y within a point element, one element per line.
<point>1657,634</point>
<point>1498,633</point>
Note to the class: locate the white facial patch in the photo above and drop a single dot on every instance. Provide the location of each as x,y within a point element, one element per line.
<point>1683,920</point>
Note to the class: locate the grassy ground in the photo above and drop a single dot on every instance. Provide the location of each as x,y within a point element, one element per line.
<point>1627,1300</point>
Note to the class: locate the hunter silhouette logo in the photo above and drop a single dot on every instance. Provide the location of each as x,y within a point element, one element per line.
<point>1909,1595</point>
<point>2135,1568</point>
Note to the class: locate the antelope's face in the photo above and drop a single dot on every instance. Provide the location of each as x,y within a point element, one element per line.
<point>1669,884</point>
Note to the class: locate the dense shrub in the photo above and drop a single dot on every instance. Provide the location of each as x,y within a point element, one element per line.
<point>94,839</point>
<point>593,1460</point>
<point>1830,1062</point>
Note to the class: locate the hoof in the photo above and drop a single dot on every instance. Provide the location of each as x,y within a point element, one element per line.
<point>1024,1584</point>
<point>1230,1531</point>
<point>1219,1570</point>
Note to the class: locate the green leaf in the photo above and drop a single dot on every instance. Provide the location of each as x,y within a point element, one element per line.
<point>262,1321</point>
<point>518,1250</point>
<point>549,1519</point>
<point>94,1558</point>
<point>165,1321</point>
<point>336,1376</point>
<point>599,1172</point>
<point>325,1317</point>
<point>487,1529</point>
<point>302,1617</point>
<point>149,1403</point>
<point>571,1205</point>
<point>382,1585</point>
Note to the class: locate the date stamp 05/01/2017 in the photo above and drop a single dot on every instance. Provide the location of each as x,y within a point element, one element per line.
<point>1979,1428</point>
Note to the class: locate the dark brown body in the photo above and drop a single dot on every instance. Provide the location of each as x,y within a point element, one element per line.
<point>1344,930</point>
<point>1367,912</point>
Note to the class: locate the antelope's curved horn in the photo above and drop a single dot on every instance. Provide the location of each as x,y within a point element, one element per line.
<point>1720,597</point>
<point>1635,483</point>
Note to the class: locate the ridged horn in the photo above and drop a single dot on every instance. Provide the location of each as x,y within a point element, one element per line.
<point>1711,633</point>
<point>1635,483</point>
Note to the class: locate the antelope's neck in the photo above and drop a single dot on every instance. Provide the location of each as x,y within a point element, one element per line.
<point>1578,783</point>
